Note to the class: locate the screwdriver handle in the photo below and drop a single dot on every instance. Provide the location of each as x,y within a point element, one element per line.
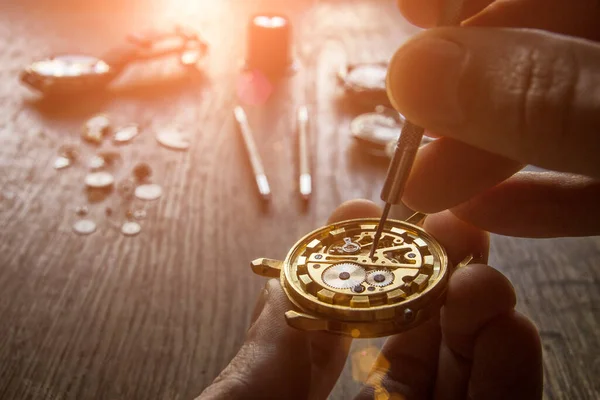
<point>401,164</point>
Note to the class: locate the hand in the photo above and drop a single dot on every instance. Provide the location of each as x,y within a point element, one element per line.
<point>480,347</point>
<point>502,99</point>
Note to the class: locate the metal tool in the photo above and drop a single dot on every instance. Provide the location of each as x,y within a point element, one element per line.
<point>262,183</point>
<point>305,184</point>
<point>409,142</point>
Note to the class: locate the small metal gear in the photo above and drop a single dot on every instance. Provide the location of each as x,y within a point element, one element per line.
<point>380,277</point>
<point>344,275</point>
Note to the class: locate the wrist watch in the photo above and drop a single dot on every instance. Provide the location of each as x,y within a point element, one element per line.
<point>64,74</point>
<point>335,286</point>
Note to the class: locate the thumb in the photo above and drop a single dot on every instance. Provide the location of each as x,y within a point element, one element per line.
<point>277,361</point>
<point>527,95</point>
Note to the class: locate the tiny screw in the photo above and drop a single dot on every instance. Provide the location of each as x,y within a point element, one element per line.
<point>408,315</point>
<point>141,172</point>
<point>318,256</point>
<point>81,211</point>
<point>359,289</point>
<point>317,266</point>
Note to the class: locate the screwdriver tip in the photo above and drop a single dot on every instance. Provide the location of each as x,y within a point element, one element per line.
<point>379,231</point>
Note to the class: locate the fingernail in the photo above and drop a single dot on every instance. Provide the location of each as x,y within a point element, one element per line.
<point>423,81</point>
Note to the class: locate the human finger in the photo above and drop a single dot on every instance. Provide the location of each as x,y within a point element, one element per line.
<point>476,295</point>
<point>478,323</point>
<point>507,360</point>
<point>307,363</point>
<point>426,13</point>
<point>526,95</point>
<point>574,18</point>
<point>408,361</point>
<point>447,172</point>
<point>537,204</point>
<point>275,360</point>
<point>355,209</point>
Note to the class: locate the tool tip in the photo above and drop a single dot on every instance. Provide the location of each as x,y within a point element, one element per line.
<point>263,186</point>
<point>239,113</point>
<point>305,186</point>
<point>303,113</point>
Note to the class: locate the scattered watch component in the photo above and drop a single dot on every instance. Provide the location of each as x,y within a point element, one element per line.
<point>131,228</point>
<point>356,295</point>
<point>69,151</point>
<point>269,47</point>
<point>96,163</point>
<point>84,227</point>
<point>142,172</point>
<point>75,73</point>
<point>61,162</point>
<point>173,140</point>
<point>125,134</point>
<point>364,83</point>
<point>110,157</point>
<point>139,214</point>
<point>67,154</point>
<point>95,128</point>
<point>81,211</point>
<point>99,180</point>
<point>126,188</point>
<point>148,192</point>
<point>344,275</point>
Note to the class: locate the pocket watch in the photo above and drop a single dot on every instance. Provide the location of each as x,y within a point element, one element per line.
<point>335,286</point>
<point>76,73</point>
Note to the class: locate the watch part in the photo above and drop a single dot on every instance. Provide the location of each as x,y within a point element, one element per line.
<point>344,275</point>
<point>99,180</point>
<point>173,140</point>
<point>148,192</point>
<point>335,286</point>
<point>84,227</point>
<point>380,277</point>
<point>131,228</point>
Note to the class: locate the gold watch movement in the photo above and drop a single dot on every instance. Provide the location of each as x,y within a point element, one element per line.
<point>335,286</point>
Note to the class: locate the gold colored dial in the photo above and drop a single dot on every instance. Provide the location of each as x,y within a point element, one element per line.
<point>335,286</point>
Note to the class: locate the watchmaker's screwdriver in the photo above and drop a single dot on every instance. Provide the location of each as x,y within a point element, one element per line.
<point>262,184</point>
<point>409,141</point>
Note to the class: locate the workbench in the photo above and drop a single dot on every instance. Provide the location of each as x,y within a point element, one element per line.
<point>158,315</point>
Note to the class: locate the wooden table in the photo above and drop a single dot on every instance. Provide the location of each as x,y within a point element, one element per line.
<point>160,314</point>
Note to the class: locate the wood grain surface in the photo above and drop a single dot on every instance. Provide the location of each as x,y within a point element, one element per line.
<point>157,316</point>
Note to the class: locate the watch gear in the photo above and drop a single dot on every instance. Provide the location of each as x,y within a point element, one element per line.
<point>350,293</point>
<point>380,277</point>
<point>344,275</point>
